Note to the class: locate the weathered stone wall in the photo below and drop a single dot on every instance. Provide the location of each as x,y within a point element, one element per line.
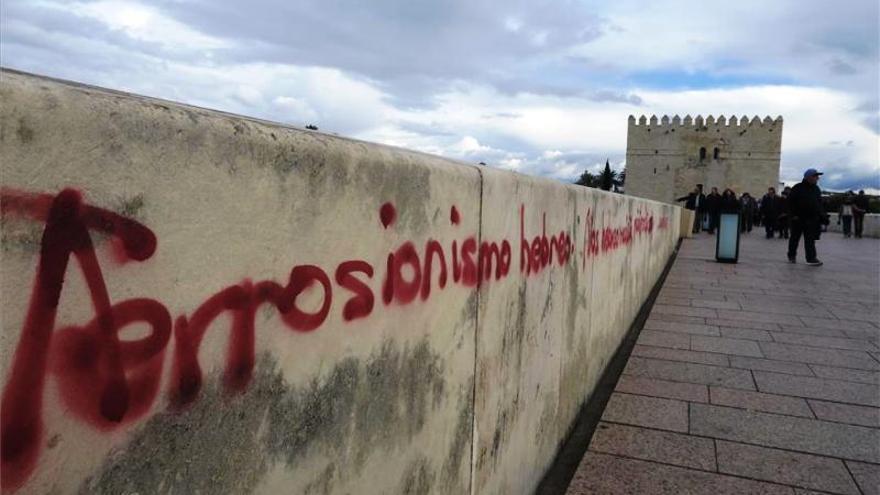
<point>871,226</point>
<point>663,157</point>
<point>195,302</point>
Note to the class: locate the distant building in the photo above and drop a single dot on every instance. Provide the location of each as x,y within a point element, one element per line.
<point>665,159</point>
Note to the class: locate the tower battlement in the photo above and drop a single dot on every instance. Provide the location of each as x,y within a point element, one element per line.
<point>699,122</point>
<point>666,156</point>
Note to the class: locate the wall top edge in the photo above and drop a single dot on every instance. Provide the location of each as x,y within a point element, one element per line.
<point>15,78</point>
<point>700,121</point>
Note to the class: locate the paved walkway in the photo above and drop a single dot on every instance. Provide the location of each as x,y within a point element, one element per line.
<point>760,377</point>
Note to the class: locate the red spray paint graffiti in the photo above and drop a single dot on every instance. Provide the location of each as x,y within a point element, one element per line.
<point>108,382</point>
<point>103,380</point>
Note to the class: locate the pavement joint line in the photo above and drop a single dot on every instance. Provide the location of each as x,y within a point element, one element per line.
<point>754,357</point>
<point>689,417</point>
<point>715,450</point>
<point>672,302</point>
<point>758,391</point>
<point>742,408</point>
<point>717,472</point>
<point>853,478</point>
<point>810,407</point>
<point>697,435</point>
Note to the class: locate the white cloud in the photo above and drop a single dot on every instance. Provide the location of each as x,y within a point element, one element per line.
<point>143,22</point>
<point>510,102</point>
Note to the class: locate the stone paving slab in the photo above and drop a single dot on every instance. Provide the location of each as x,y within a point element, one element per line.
<point>846,413</point>
<point>755,316</point>
<point>836,324</point>
<point>846,374</point>
<point>672,326</point>
<point>790,358</point>
<point>758,401</point>
<point>652,412</point>
<point>790,468</point>
<point>824,342</point>
<point>867,476</point>
<point>654,445</point>
<point>814,355</point>
<point>724,345</point>
<point>826,332</point>
<point>818,388</point>
<point>681,355</point>
<point>678,318</point>
<point>786,432</point>
<point>755,325</point>
<point>684,311</point>
<point>689,373</point>
<point>690,392</point>
<point>715,304</point>
<point>770,365</point>
<point>672,340</point>
<point>602,474</point>
<point>746,333</point>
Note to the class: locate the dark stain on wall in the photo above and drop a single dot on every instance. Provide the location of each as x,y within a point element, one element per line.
<point>461,441</point>
<point>20,236</point>
<point>323,484</point>
<point>213,447</point>
<point>131,207</point>
<point>24,132</point>
<point>417,479</point>
<point>227,444</point>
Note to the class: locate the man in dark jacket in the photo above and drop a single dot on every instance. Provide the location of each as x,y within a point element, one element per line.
<point>695,201</point>
<point>783,222</point>
<point>713,209</point>
<point>861,207</point>
<point>770,211</point>
<point>807,216</point>
<point>748,211</point>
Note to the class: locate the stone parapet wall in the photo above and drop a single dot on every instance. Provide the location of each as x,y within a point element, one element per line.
<point>196,302</point>
<point>871,228</point>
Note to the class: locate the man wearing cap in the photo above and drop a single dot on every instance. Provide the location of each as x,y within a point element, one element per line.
<point>807,215</point>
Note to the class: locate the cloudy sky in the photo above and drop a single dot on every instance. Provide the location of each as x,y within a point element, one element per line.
<point>540,87</point>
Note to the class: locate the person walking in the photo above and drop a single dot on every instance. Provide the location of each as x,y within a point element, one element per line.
<point>770,212</point>
<point>695,201</point>
<point>845,214</point>
<point>807,216</point>
<point>729,203</point>
<point>784,222</point>
<point>748,207</point>
<point>860,207</point>
<point>713,209</point>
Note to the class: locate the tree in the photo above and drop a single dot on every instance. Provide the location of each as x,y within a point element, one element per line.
<point>608,177</point>
<point>587,179</point>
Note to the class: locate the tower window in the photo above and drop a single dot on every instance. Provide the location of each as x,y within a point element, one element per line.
<point>715,153</point>
<point>702,154</point>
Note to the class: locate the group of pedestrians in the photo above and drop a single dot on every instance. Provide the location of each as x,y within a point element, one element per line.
<point>852,211</point>
<point>773,213</point>
<point>797,212</point>
<point>709,207</point>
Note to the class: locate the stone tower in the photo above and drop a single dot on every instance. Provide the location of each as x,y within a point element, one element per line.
<point>665,159</point>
